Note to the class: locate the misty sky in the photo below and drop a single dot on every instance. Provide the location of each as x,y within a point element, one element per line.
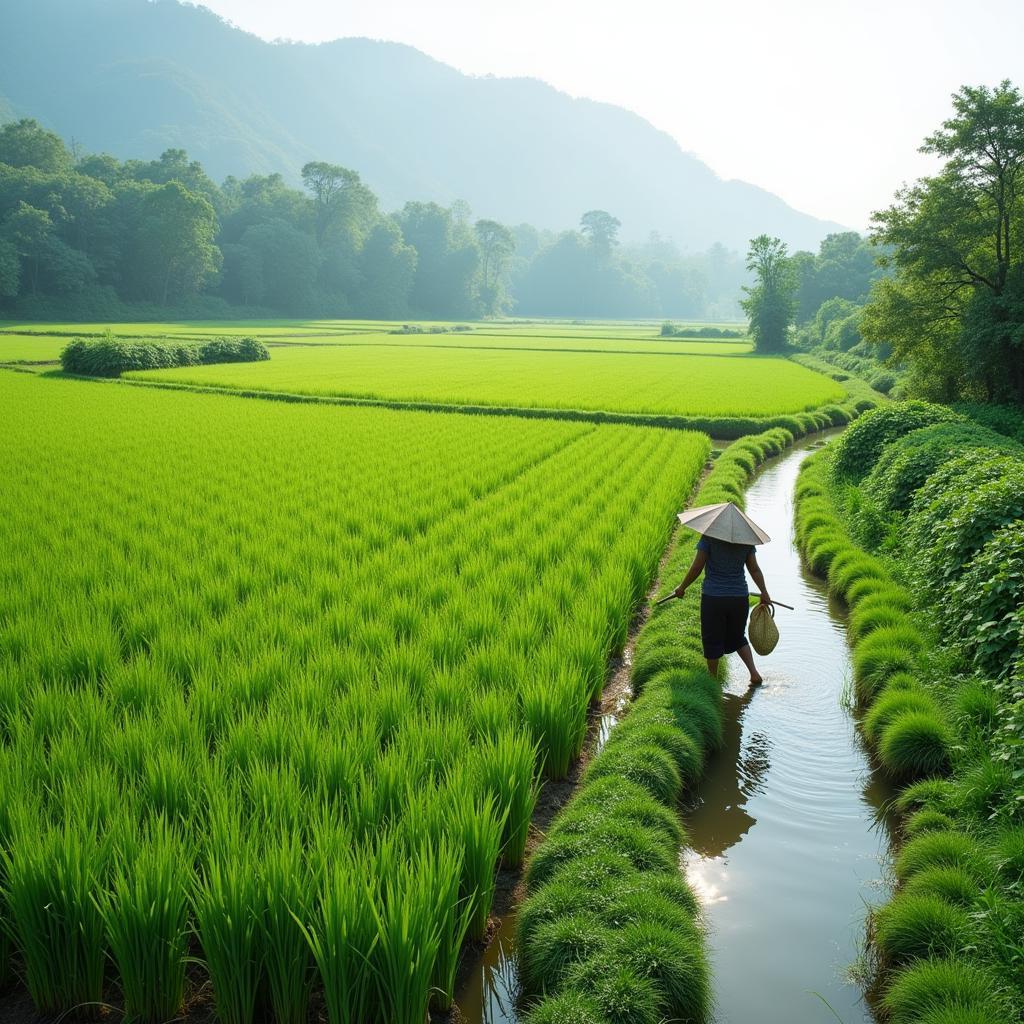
<point>824,103</point>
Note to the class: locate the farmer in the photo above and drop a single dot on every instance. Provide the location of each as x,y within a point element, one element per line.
<point>726,547</point>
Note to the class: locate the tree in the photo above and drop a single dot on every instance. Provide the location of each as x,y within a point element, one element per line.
<point>340,199</point>
<point>602,231</point>
<point>26,143</point>
<point>29,231</point>
<point>770,302</point>
<point>10,269</point>
<point>958,295</point>
<point>496,247</point>
<point>386,267</point>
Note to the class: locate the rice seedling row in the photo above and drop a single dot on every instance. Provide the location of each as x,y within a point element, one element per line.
<point>283,681</point>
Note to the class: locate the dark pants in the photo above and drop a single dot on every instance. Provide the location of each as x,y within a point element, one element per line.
<point>722,624</point>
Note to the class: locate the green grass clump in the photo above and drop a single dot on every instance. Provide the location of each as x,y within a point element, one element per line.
<point>951,884</point>
<point>1010,856</point>
<point>927,820</point>
<point>942,849</point>
<point>891,703</point>
<point>915,743</point>
<point>646,764</point>
<point>556,946</point>
<point>623,995</point>
<point>934,794</point>
<point>883,653</point>
<point>916,926</point>
<point>674,960</point>
<point>570,1007</point>
<point>934,985</point>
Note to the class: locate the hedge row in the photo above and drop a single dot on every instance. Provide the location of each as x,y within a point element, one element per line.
<point>608,930</point>
<point>110,357</point>
<point>948,944</point>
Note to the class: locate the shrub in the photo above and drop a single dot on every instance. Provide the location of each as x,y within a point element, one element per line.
<point>916,926</point>
<point>941,849</point>
<point>857,450</point>
<point>1003,419</point>
<point>934,985</point>
<point>110,357</point>
<point>915,743</point>
<point>906,464</point>
<point>985,600</point>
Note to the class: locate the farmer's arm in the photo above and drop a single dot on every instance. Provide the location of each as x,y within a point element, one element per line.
<point>758,577</point>
<point>699,561</point>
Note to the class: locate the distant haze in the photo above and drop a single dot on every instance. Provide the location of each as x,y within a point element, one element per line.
<point>823,104</point>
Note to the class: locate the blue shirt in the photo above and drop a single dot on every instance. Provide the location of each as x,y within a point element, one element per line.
<point>723,574</point>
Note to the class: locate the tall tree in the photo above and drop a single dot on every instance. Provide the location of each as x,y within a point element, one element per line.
<point>958,294</point>
<point>770,301</point>
<point>26,143</point>
<point>496,247</point>
<point>338,196</point>
<point>602,231</point>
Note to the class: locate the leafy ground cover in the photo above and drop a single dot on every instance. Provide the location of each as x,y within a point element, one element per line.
<point>704,385</point>
<point>278,683</point>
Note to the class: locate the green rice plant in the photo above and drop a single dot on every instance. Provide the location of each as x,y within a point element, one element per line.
<point>698,717</point>
<point>476,825</point>
<point>842,576</point>
<point>942,849</point>
<point>890,704</point>
<point>343,937</point>
<point>506,769</point>
<point>623,995</point>
<point>228,908</point>
<point>615,798</point>
<point>51,877</point>
<point>674,960</point>
<point>555,710</point>
<point>146,920</point>
<point>927,820</point>
<point>951,884</point>
<point>915,743</point>
<point>941,984</point>
<point>570,1007</point>
<point>873,614</point>
<point>916,926</point>
<point>556,945</point>
<point>934,794</point>
<point>288,882</point>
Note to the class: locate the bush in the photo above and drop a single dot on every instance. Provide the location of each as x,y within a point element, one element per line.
<point>916,926</point>
<point>905,465</point>
<point>1003,419</point>
<point>110,356</point>
<point>857,450</point>
<point>985,600</point>
<point>915,743</point>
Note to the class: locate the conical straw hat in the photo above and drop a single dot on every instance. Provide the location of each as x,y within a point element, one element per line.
<point>724,521</point>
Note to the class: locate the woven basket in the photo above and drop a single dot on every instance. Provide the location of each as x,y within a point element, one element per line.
<point>764,634</point>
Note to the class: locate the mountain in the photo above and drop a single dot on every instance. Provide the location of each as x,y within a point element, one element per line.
<point>134,77</point>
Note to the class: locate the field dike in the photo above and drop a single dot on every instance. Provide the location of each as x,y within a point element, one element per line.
<point>952,924</point>
<point>608,931</point>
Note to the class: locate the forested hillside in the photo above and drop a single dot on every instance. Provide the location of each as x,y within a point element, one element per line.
<point>134,78</point>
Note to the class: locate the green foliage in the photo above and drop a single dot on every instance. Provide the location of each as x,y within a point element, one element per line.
<point>941,849</point>
<point>770,303</point>
<point>906,464</point>
<point>890,704</point>
<point>985,602</point>
<point>951,884</point>
<point>860,446</point>
<point>936,985</point>
<point>111,357</point>
<point>915,743</point>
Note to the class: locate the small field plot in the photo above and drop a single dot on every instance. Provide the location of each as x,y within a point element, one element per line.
<point>278,682</point>
<point>698,385</point>
<point>24,348</point>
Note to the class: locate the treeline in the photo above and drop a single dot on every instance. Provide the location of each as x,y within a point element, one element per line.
<point>93,237</point>
<point>935,304</point>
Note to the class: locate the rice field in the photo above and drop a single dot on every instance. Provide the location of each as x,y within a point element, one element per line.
<point>707,385</point>
<point>279,683</point>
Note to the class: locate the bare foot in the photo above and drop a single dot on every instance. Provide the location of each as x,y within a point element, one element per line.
<point>756,680</point>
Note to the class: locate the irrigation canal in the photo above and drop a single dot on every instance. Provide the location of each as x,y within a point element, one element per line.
<point>788,832</point>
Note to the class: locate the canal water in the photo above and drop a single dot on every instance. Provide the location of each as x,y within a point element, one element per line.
<point>787,832</point>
